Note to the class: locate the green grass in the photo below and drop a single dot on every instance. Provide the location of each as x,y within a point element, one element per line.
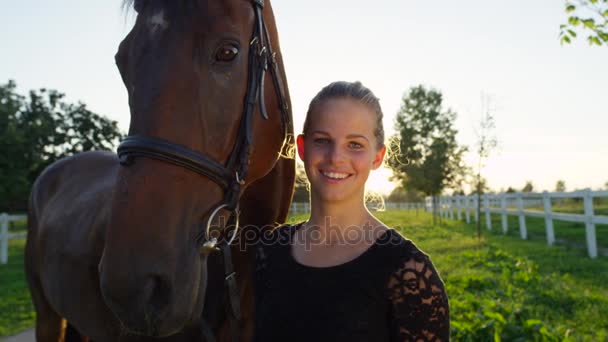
<point>500,287</point>
<point>16,310</point>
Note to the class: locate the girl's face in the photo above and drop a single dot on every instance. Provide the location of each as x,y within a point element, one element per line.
<point>340,149</point>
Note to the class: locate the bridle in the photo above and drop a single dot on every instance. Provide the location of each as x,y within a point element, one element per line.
<point>230,177</point>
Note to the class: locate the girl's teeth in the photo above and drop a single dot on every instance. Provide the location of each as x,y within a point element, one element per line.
<point>335,175</point>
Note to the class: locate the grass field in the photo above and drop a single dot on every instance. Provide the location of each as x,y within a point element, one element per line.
<point>16,310</point>
<point>500,287</point>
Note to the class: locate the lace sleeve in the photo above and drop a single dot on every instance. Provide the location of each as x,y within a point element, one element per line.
<point>419,303</point>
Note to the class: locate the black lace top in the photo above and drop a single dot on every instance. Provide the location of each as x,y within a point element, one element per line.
<point>391,292</point>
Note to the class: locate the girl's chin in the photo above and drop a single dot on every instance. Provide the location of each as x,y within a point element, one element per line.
<point>337,195</point>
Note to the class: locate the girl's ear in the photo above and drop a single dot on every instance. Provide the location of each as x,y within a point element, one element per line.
<point>300,144</point>
<point>379,158</point>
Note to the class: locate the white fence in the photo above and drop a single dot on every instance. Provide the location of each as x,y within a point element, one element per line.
<point>5,236</point>
<point>299,207</point>
<point>454,207</point>
<point>304,207</point>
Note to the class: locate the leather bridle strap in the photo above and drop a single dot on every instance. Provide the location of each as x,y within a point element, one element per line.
<point>233,309</point>
<point>156,148</point>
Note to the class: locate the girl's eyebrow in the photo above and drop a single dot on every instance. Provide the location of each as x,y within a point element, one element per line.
<point>354,136</point>
<point>350,136</point>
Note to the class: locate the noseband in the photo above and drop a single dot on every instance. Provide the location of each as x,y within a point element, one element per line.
<point>230,176</point>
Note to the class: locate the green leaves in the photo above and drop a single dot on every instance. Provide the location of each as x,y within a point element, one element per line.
<point>590,16</point>
<point>594,40</point>
<point>575,21</point>
<point>39,129</point>
<point>589,23</point>
<point>570,8</point>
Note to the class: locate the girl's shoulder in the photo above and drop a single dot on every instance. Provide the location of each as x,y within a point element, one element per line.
<point>403,258</point>
<point>400,248</point>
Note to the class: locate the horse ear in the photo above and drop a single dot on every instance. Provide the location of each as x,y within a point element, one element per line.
<point>139,5</point>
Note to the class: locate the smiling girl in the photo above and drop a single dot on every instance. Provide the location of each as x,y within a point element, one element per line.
<point>343,275</point>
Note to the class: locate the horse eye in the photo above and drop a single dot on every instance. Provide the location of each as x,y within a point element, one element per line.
<point>227,53</point>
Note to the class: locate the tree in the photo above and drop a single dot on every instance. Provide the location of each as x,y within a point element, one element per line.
<point>486,143</point>
<point>510,190</point>
<point>529,187</point>
<point>429,158</point>
<point>401,195</point>
<point>479,187</point>
<point>560,186</point>
<point>39,129</point>
<point>589,15</point>
<point>606,185</point>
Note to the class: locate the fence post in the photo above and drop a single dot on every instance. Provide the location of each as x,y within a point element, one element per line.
<point>459,207</point>
<point>440,206</point>
<point>475,199</point>
<point>467,215</point>
<point>486,199</point>
<point>522,217</point>
<point>503,209</point>
<point>3,238</point>
<point>450,201</point>
<point>548,219</point>
<point>589,225</point>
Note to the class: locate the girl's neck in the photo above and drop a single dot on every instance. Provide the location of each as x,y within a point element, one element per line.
<point>341,215</point>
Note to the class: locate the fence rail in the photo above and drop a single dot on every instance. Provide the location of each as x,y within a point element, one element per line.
<point>515,204</point>
<point>304,207</point>
<point>5,236</point>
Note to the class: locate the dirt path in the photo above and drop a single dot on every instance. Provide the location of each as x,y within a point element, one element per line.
<point>26,336</point>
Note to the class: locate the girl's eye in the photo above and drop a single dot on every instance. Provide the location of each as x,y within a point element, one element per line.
<point>321,141</point>
<point>355,145</point>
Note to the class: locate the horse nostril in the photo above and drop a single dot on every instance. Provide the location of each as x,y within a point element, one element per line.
<point>156,295</point>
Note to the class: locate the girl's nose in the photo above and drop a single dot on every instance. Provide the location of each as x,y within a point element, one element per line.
<point>336,154</point>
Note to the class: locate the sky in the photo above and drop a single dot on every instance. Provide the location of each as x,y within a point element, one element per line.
<point>550,102</point>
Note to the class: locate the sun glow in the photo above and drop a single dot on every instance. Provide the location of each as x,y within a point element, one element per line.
<point>379,182</point>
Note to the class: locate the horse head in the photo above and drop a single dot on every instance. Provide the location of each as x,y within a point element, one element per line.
<point>206,121</point>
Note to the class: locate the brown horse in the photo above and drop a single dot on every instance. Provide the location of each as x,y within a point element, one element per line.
<point>114,245</point>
